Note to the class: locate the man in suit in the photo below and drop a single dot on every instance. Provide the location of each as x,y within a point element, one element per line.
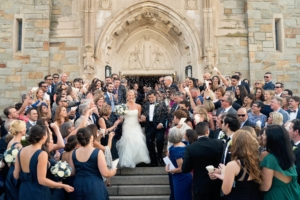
<point>119,91</point>
<point>177,98</point>
<point>50,91</point>
<point>198,155</point>
<point>243,116</point>
<point>230,124</point>
<point>33,117</point>
<point>268,81</point>
<point>206,76</point>
<point>234,82</point>
<point>139,97</point>
<point>276,104</point>
<point>110,99</point>
<point>294,133</point>
<point>155,116</point>
<point>168,81</point>
<point>83,109</point>
<point>218,133</point>
<point>63,82</point>
<point>279,87</point>
<point>235,105</point>
<point>293,110</point>
<point>226,105</point>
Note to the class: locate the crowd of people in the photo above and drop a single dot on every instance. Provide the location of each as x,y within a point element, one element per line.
<point>225,138</point>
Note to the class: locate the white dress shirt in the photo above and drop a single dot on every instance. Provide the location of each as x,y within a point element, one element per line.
<point>151,112</point>
<point>226,150</point>
<point>293,115</point>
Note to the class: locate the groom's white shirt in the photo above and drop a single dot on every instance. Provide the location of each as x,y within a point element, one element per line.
<point>151,112</point>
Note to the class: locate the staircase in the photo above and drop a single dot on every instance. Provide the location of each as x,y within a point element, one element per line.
<point>141,183</point>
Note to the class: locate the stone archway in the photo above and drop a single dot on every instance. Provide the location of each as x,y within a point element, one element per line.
<point>172,43</point>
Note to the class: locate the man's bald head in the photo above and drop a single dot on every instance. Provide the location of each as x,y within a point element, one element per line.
<point>242,113</point>
<point>206,76</point>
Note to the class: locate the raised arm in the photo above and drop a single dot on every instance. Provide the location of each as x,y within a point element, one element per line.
<point>222,78</point>
<point>60,141</point>
<point>103,167</point>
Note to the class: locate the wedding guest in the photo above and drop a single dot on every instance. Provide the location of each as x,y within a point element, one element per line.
<point>32,118</point>
<point>294,133</point>
<point>61,115</point>
<point>72,143</point>
<point>191,83</point>
<point>99,102</point>
<point>182,182</point>
<point>204,115</point>
<point>258,85</point>
<point>243,116</point>
<point>89,162</point>
<point>279,87</point>
<point>197,157</point>
<point>106,124</point>
<point>235,105</point>
<point>269,94</point>
<point>285,103</point>
<point>18,130</point>
<point>259,94</point>
<point>44,111</point>
<point>262,147</point>
<point>276,104</point>
<point>38,96</point>
<point>31,168</point>
<point>216,83</point>
<point>248,100</point>
<point>294,107</point>
<point>218,133</point>
<point>240,94</point>
<point>219,93</point>
<point>269,85</point>
<point>255,116</point>
<point>279,176</point>
<point>226,106</point>
<point>275,118</point>
<point>190,136</point>
<point>242,175</point>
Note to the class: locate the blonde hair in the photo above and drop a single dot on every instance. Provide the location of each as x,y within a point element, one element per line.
<point>130,91</point>
<point>271,92</point>
<point>201,110</point>
<point>17,126</point>
<point>35,94</point>
<point>277,118</point>
<point>209,105</point>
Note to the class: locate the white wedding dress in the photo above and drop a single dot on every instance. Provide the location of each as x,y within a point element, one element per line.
<point>132,147</point>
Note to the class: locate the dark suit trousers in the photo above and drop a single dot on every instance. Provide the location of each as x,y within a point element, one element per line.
<point>153,134</point>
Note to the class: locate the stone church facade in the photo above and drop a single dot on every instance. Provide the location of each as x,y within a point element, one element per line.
<point>138,37</point>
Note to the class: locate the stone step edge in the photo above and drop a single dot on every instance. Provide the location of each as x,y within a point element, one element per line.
<point>139,185</point>
<point>140,197</point>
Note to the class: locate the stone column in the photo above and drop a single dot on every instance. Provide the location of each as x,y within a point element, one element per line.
<point>208,35</point>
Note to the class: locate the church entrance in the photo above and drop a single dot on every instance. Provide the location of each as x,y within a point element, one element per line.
<point>143,80</point>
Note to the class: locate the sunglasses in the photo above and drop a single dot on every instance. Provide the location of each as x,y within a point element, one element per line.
<point>241,115</point>
<point>222,100</point>
<point>49,79</point>
<point>266,77</point>
<point>277,87</point>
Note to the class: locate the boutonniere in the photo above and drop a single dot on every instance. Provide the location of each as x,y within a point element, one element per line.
<point>295,148</point>
<point>222,136</point>
<point>156,104</point>
<point>229,143</point>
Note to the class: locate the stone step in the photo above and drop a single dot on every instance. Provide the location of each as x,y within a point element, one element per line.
<point>141,180</point>
<point>142,171</point>
<point>139,197</point>
<point>138,190</point>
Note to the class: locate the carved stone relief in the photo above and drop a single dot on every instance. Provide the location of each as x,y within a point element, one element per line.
<point>191,4</point>
<point>105,4</point>
<point>147,54</point>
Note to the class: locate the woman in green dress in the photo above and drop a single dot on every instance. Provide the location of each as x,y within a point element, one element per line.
<point>279,175</point>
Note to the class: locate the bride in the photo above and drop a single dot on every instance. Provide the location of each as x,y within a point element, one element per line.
<point>132,147</point>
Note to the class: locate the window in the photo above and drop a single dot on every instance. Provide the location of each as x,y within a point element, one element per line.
<point>19,32</point>
<point>278,33</point>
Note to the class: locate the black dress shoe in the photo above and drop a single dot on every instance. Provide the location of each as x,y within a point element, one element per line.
<point>154,164</point>
<point>161,162</point>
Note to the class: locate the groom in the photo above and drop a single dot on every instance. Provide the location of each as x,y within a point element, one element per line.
<point>155,116</point>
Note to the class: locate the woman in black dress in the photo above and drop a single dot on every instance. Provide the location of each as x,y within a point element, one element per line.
<point>242,174</point>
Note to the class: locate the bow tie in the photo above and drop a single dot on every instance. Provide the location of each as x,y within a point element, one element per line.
<point>152,103</point>
<point>293,111</point>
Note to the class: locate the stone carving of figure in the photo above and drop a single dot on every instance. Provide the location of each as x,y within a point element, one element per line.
<point>105,4</point>
<point>147,52</point>
<point>89,69</point>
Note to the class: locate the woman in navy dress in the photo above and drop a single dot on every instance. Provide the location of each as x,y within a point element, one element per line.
<point>182,183</point>
<point>31,168</point>
<point>17,129</point>
<point>89,167</point>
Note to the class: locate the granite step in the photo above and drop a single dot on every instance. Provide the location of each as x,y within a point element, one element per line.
<point>139,197</point>
<point>138,190</point>
<point>141,180</point>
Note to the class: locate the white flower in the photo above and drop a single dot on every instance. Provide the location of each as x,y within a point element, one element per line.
<point>60,174</point>
<point>63,166</point>
<point>14,153</point>
<point>54,170</point>
<point>23,138</point>
<point>68,172</point>
<point>8,158</point>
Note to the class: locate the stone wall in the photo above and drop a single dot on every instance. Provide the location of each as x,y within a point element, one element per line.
<point>263,55</point>
<point>21,70</point>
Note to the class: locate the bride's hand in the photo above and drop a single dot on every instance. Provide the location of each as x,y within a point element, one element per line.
<point>111,135</point>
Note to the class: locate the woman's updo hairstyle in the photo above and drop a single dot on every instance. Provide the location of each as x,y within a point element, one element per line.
<point>83,136</point>
<point>71,143</point>
<point>17,126</point>
<point>36,133</point>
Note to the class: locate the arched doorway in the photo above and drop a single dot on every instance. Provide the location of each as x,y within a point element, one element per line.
<point>149,38</point>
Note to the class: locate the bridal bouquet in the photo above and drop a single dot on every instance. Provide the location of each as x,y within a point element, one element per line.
<point>24,141</point>
<point>11,154</point>
<point>121,109</point>
<point>61,169</point>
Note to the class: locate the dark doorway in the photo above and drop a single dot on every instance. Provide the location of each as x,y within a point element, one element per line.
<point>148,81</point>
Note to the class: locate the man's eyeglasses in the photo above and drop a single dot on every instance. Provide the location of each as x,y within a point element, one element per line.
<point>222,100</point>
<point>55,76</point>
<point>241,115</point>
<point>49,79</point>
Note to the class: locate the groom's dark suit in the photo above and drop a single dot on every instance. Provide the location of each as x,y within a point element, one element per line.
<point>152,133</point>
